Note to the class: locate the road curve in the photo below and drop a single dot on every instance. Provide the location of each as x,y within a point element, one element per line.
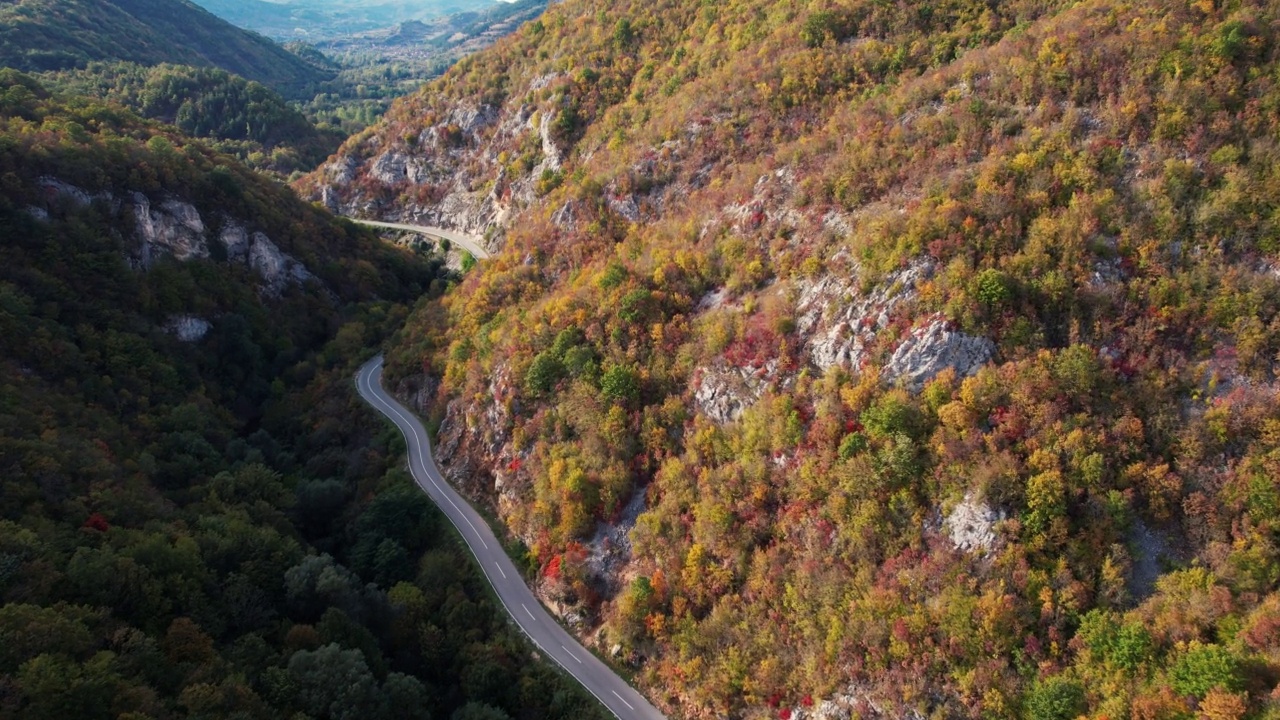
<point>552,639</point>
<point>470,243</point>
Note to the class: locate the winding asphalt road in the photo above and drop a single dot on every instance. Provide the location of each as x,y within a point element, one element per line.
<point>621,699</point>
<point>470,243</point>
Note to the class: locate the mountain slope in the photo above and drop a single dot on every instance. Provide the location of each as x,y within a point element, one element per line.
<point>887,359</point>
<point>55,35</point>
<point>236,115</point>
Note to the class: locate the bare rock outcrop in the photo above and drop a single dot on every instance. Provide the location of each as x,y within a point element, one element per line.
<point>175,228</point>
<point>624,205</point>
<point>277,269</point>
<point>971,525</point>
<point>932,347</point>
<point>471,169</point>
<point>417,392</point>
<point>722,392</point>
<point>57,191</point>
<point>609,550</point>
<point>565,216</point>
<point>342,169</point>
<point>390,168</point>
<point>856,701</point>
<point>551,155</point>
<point>840,321</point>
<point>769,203</point>
<point>172,227</point>
<point>235,238</point>
<point>395,166</point>
<point>474,443</point>
<point>187,328</point>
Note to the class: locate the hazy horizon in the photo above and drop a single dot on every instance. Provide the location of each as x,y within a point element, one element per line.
<point>298,19</point>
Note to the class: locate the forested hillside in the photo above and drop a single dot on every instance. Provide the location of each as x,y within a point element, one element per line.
<point>902,360</point>
<point>40,35</point>
<point>238,116</point>
<point>198,517</point>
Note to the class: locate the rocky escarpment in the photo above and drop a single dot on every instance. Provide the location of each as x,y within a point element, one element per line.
<point>722,392</point>
<point>471,169</point>
<point>842,324</point>
<point>171,227</point>
<point>475,450</point>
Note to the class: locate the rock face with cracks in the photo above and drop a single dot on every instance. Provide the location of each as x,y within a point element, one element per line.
<point>971,525</point>
<point>840,320</point>
<point>173,228</point>
<point>933,347</point>
<point>722,392</point>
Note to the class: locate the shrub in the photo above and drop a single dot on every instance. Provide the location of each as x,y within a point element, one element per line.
<point>1201,668</point>
<point>852,444</point>
<point>634,306</point>
<point>620,383</point>
<point>892,413</point>
<point>613,276</point>
<point>545,370</point>
<point>822,26</point>
<point>994,287</point>
<point>1056,698</point>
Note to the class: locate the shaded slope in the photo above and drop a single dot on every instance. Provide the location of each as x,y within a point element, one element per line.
<point>198,517</point>
<point>236,115</point>
<point>54,35</point>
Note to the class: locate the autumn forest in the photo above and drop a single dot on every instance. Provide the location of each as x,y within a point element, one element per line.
<point>835,359</point>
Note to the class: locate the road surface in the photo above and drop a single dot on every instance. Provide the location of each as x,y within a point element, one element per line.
<point>470,243</point>
<point>546,633</point>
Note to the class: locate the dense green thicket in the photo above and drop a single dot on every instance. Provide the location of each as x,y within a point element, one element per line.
<point>215,529</point>
<point>38,35</point>
<point>240,116</point>
<point>364,87</point>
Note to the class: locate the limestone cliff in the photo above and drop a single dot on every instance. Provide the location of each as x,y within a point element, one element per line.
<point>171,227</point>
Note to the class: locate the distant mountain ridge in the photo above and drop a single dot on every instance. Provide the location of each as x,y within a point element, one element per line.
<point>37,35</point>
<point>320,19</point>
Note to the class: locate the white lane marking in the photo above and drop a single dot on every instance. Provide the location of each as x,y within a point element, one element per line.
<point>374,399</point>
<point>504,572</point>
<point>417,441</point>
<point>423,463</point>
<point>624,702</point>
<point>575,657</point>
